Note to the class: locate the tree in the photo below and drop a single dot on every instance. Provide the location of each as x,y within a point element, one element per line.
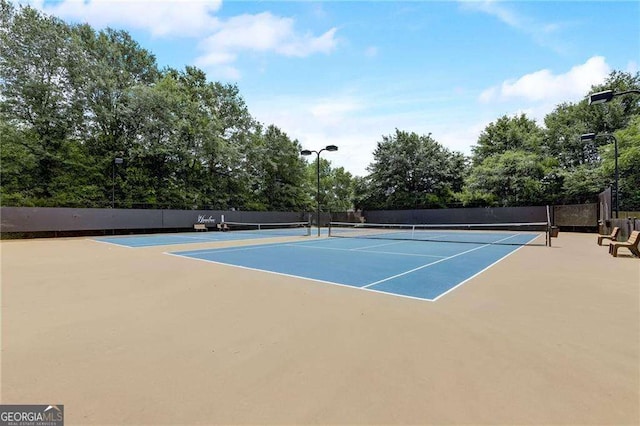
<point>512,177</point>
<point>580,163</point>
<point>412,171</point>
<point>38,105</point>
<point>628,161</point>
<point>616,115</point>
<point>342,190</point>
<point>336,187</point>
<point>581,184</point>
<point>508,134</point>
<point>564,125</point>
<point>279,173</point>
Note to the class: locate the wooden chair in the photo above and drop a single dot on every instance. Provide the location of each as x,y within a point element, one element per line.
<point>631,244</point>
<point>613,236</point>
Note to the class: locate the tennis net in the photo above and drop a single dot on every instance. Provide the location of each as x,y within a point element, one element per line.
<point>274,228</point>
<point>495,233</point>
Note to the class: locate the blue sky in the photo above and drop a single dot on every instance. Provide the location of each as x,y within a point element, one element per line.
<point>347,73</point>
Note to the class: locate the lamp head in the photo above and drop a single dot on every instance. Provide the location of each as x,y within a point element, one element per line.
<point>331,148</point>
<point>305,152</point>
<point>588,137</point>
<point>601,97</point>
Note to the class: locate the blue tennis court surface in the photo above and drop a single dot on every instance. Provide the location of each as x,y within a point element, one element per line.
<point>196,237</point>
<point>416,269</point>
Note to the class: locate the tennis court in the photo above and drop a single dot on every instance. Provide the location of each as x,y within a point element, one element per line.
<point>244,231</point>
<point>418,269</point>
<point>546,335</point>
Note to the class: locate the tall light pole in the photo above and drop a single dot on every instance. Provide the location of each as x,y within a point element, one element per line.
<point>601,98</point>
<point>305,152</point>
<point>116,160</point>
<point>592,137</point>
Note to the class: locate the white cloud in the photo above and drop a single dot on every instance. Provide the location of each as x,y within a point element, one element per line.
<point>220,41</point>
<point>544,86</point>
<point>371,52</point>
<point>498,10</point>
<point>356,119</point>
<point>356,122</point>
<point>333,110</point>
<point>263,33</point>
<point>186,18</point>
<point>542,33</point>
<point>320,121</point>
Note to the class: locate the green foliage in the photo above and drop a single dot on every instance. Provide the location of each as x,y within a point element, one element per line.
<point>412,171</point>
<point>564,125</point>
<point>508,134</point>
<point>336,187</point>
<point>581,184</point>
<point>559,167</point>
<point>513,177</point>
<point>73,99</point>
<point>282,172</point>
<point>628,164</point>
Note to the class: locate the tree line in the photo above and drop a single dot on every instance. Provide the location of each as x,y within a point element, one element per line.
<point>73,100</point>
<point>515,161</point>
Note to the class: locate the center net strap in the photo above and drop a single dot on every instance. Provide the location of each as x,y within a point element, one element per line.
<point>494,233</point>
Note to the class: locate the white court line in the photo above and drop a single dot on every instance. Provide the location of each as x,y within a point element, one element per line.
<point>377,245</point>
<point>368,251</point>
<point>476,274</point>
<point>251,247</point>
<point>217,250</point>
<point>190,237</point>
<point>259,270</point>
<point>353,287</point>
<point>433,263</point>
<point>151,244</point>
<point>110,243</point>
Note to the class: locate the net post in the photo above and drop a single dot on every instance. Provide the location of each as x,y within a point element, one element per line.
<point>329,227</point>
<point>548,231</point>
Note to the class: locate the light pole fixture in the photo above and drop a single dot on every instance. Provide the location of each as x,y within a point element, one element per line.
<point>608,95</point>
<point>305,152</point>
<point>116,160</point>
<point>592,137</point>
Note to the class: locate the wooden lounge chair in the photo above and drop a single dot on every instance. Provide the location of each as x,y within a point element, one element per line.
<point>613,236</point>
<point>631,244</point>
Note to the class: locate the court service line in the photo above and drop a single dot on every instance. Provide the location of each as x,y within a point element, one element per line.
<point>190,237</point>
<point>219,250</point>
<point>366,251</point>
<point>433,263</point>
<point>377,245</point>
